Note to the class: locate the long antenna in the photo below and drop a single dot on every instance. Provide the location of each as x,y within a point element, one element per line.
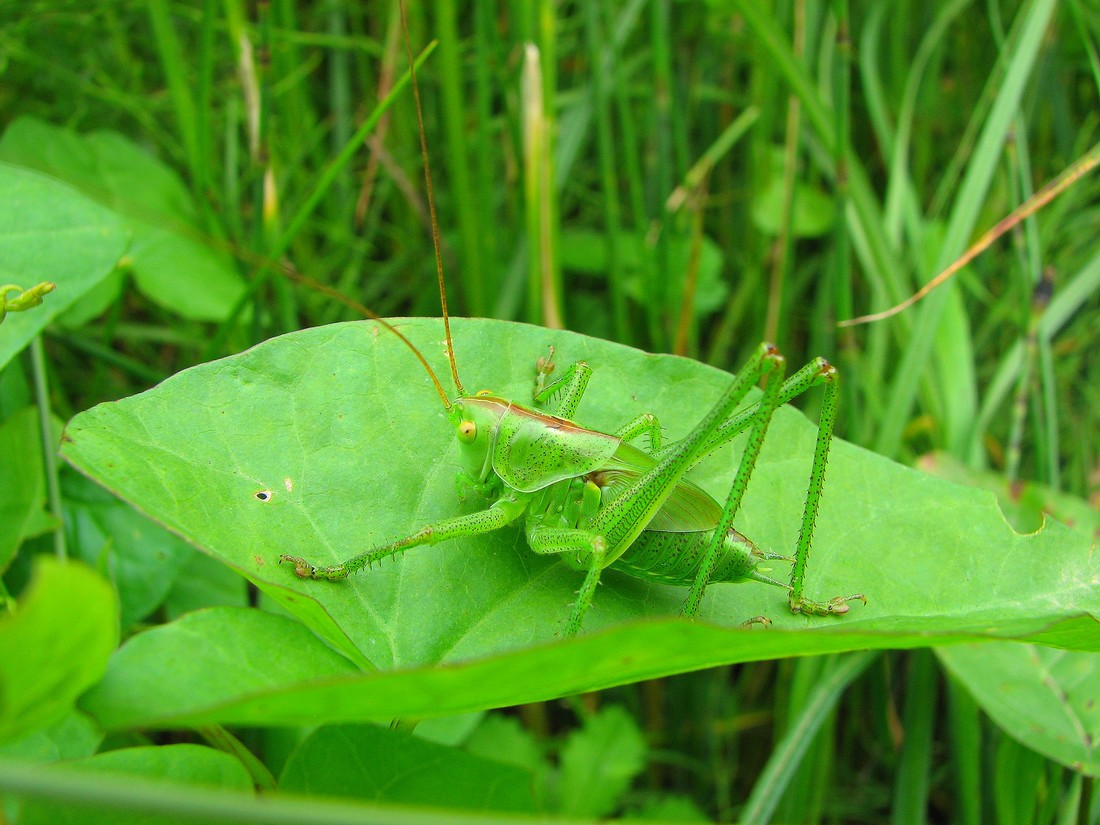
<point>296,276</point>
<point>431,205</point>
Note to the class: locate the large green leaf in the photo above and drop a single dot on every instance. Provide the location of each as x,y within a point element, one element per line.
<point>324,442</point>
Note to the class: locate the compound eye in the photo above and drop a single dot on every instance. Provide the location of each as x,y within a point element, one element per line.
<point>467,431</point>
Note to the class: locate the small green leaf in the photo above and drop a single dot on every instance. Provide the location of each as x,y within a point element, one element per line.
<point>586,251</point>
<point>449,730</point>
<point>666,807</point>
<point>49,231</point>
<point>22,484</point>
<point>203,582</point>
<point>183,764</point>
<point>813,212</point>
<point>599,761</point>
<point>1047,699</point>
<point>55,645</point>
<point>141,557</point>
<point>812,216</point>
<point>191,764</point>
<point>504,739</point>
<point>72,736</point>
<point>184,275</point>
<point>372,763</point>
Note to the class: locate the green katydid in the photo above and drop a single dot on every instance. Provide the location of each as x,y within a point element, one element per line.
<point>597,501</point>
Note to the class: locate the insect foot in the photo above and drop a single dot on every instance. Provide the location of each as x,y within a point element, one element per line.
<point>543,368</point>
<point>763,621</point>
<point>546,365</point>
<point>836,606</point>
<point>303,569</point>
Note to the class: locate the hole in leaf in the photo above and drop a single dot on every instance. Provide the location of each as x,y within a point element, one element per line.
<point>264,495</point>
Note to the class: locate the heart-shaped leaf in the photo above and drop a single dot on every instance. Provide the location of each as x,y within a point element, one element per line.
<point>325,442</point>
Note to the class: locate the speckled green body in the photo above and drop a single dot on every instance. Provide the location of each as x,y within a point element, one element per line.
<point>675,558</point>
<point>656,555</point>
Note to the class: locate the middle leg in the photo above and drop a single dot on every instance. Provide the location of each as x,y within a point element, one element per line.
<point>579,543</point>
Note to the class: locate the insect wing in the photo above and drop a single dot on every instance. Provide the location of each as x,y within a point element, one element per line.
<point>688,509</point>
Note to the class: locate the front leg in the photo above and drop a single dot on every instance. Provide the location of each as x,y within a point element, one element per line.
<point>543,368</point>
<point>546,540</point>
<point>466,482</point>
<point>502,513</point>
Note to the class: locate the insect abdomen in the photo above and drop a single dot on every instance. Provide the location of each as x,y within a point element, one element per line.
<point>674,558</point>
